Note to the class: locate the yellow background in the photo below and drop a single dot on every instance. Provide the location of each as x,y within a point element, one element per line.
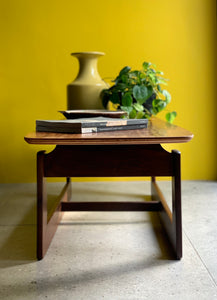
<point>37,38</point>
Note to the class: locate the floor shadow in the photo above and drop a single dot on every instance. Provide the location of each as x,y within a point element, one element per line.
<point>19,248</point>
<point>18,234</point>
<point>166,249</point>
<point>48,284</point>
<point>18,239</point>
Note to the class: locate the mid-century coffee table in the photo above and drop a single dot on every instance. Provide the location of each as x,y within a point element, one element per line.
<point>110,154</point>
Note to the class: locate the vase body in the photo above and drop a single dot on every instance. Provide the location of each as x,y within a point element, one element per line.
<point>84,92</point>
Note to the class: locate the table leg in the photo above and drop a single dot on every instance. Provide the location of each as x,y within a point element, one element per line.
<point>46,226</point>
<point>172,221</point>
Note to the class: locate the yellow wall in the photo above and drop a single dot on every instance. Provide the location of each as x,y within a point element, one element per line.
<point>37,38</point>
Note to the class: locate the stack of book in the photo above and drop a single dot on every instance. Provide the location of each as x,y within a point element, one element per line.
<point>89,125</point>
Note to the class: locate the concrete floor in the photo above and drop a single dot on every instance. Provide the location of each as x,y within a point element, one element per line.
<point>112,255</point>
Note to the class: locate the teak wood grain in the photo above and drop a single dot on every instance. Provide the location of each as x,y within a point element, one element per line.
<point>158,132</point>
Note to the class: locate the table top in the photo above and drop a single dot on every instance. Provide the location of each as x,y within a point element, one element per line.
<point>158,132</point>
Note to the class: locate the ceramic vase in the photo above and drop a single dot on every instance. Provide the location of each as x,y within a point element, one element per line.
<point>84,92</point>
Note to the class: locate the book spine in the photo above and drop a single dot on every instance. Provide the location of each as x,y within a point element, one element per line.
<point>57,124</point>
<point>115,122</point>
<point>137,121</point>
<point>57,130</point>
<point>113,128</point>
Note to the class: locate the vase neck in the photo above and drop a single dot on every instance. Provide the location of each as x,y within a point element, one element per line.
<point>88,66</point>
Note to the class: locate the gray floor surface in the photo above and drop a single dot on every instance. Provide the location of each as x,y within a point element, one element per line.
<point>108,255</point>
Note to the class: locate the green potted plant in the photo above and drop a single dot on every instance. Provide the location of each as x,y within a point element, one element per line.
<point>139,93</point>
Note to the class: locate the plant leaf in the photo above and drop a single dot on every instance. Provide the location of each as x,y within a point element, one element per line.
<point>157,102</point>
<point>135,73</point>
<point>170,117</point>
<point>132,114</point>
<point>146,65</point>
<point>124,70</point>
<point>119,87</point>
<point>140,93</point>
<point>159,88</point>
<point>140,115</point>
<point>127,100</point>
<point>114,97</point>
<point>136,92</point>
<point>167,96</point>
<point>161,80</point>
<point>127,108</point>
<point>138,106</point>
<point>124,78</point>
<point>153,78</point>
<point>158,105</point>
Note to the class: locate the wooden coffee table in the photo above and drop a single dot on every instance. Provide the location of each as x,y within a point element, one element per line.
<point>110,154</point>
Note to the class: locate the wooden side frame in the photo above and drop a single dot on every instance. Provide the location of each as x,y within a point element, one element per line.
<point>47,224</point>
<point>154,161</point>
<point>171,220</point>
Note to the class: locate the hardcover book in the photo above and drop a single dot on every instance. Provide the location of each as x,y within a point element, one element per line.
<point>89,125</point>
